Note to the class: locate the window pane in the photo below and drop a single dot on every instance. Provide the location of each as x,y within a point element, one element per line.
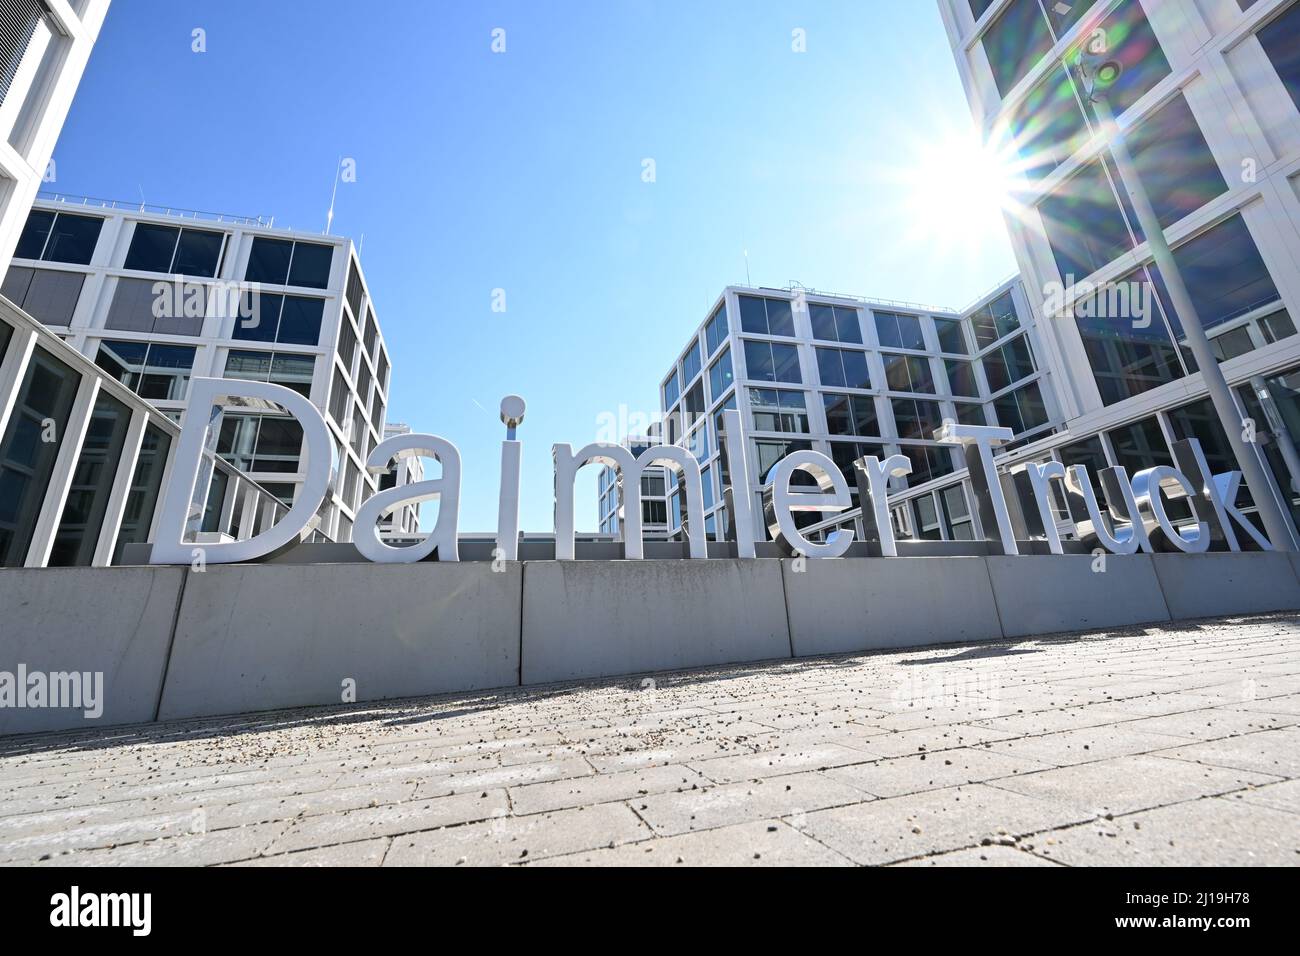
<point>311,265</point>
<point>961,378</point>
<point>822,318</point>
<point>1174,163</point>
<point>1281,41</point>
<point>1224,273</point>
<point>145,484</point>
<point>35,231</point>
<point>26,459</point>
<point>839,417</point>
<point>1015,41</point>
<point>261,326</point>
<point>1083,224</point>
<point>1047,126</point>
<point>1126,359</point>
<point>73,239</point>
<point>951,338</point>
<point>785,363</point>
<point>720,376</point>
<point>1129,38</point>
<point>252,366</point>
<point>198,252</point>
<point>716,331</point>
<point>152,247</point>
<point>830,370</point>
<point>300,321</point>
<point>779,319</point>
<point>92,481</point>
<point>753,317</point>
<point>691,363</point>
<point>268,261</point>
<point>855,368</point>
<point>758,361</point>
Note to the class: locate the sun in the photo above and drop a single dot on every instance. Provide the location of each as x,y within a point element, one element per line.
<point>955,191</point>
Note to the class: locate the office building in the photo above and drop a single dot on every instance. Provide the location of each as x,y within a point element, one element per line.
<point>1209,101</point>
<point>154,296</point>
<point>848,377</point>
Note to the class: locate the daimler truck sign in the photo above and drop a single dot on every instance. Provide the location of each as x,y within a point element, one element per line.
<point>1135,516</point>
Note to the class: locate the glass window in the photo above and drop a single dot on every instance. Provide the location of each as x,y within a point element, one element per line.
<point>1015,41</point>
<point>1224,274</point>
<point>152,247</point>
<point>772,362</point>
<point>850,414</point>
<point>1199,420</point>
<point>311,265</point>
<point>1130,39</point>
<point>1047,126</point>
<point>1140,445</point>
<point>770,451</point>
<point>671,391</point>
<point>1008,364</point>
<point>36,231</point>
<point>154,371</point>
<point>835,324</point>
<point>961,378</point>
<point>26,458</point>
<point>1174,162</point>
<point>1022,410</point>
<point>268,261</point>
<point>691,363</point>
<point>146,481</point>
<point>92,482</point>
<point>779,410</point>
<point>693,404</point>
<point>897,331</point>
<point>1127,357</point>
<point>908,373</point>
<point>198,253</point>
<point>1083,224</point>
<point>72,239</point>
<point>1230,344</point>
<point>951,337</point>
<point>765,316</point>
<point>720,376</point>
<point>1277,326</point>
<point>916,419</point>
<point>300,320</point>
<point>1281,42</point>
<point>843,368</point>
<point>995,320</point>
<point>715,332</point>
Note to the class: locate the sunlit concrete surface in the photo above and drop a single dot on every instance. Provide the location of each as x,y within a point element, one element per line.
<point>1171,744</point>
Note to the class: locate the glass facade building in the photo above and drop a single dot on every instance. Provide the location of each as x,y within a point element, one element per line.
<point>850,377</point>
<point>155,297</point>
<point>1207,99</point>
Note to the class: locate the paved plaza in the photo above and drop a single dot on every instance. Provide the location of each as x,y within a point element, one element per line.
<point>1175,744</point>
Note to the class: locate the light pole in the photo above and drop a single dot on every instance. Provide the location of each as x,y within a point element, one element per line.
<point>1098,73</point>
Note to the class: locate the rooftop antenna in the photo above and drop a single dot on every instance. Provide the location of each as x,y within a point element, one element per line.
<point>142,203</point>
<point>329,217</point>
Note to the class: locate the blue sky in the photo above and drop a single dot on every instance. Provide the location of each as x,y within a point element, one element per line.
<point>523,171</point>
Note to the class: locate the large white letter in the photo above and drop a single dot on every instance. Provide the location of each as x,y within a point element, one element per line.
<point>984,474</point>
<point>1150,496</point>
<point>445,490</point>
<point>780,501</point>
<point>878,474</point>
<point>317,446</point>
<point>742,505</point>
<point>629,471</point>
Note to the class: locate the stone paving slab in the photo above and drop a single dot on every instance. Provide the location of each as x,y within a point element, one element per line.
<point>1167,744</point>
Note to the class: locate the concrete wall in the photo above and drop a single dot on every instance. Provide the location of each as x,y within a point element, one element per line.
<point>261,637</point>
<point>173,643</point>
<point>115,621</point>
<point>601,618</point>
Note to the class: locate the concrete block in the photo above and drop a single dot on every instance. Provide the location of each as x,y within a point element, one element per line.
<point>111,621</point>
<point>859,604</point>
<point>259,637</point>
<point>1048,594</point>
<point>600,619</point>
<point>1207,585</point>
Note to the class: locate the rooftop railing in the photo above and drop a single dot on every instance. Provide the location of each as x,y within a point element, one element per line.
<point>177,212</point>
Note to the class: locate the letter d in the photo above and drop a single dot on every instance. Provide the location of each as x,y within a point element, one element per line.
<point>205,393</point>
